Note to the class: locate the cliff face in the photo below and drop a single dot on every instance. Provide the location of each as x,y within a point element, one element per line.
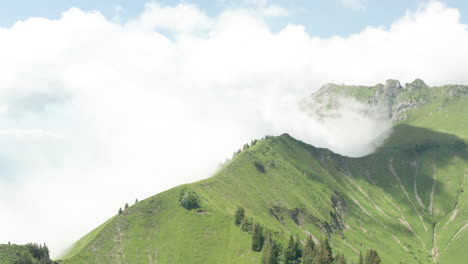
<point>391,97</point>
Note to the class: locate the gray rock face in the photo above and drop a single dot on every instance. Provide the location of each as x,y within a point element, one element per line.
<point>458,91</point>
<point>392,98</point>
<point>416,85</point>
<point>386,95</point>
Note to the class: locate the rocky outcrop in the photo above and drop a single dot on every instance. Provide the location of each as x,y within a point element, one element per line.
<point>338,212</point>
<point>386,95</point>
<point>458,90</point>
<point>391,97</point>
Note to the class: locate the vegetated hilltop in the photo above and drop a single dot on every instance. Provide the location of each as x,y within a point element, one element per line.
<point>406,200</point>
<point>25,254</point>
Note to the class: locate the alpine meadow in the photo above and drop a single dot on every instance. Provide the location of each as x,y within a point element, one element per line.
<point>406,200</point>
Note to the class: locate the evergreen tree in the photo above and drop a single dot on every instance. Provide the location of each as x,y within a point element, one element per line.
<point>136,200</point>
<point>126,205</point>
<point>340,259</point>
<point>308,251</point>
<point>246,146</point>
<point>189,199</point>
<point>120,210</point>
<point>239,215</point>
<point>324,254</point>
<point>38,254</point>
<point>46,252</point>
<point>290,253</point>
<point>297,249</point>
<point>361,260</point>
<point>257,238</point>
<point>372,257</point>
<point>270,252</point>
<point>24,258</point>
<point>246,224</point>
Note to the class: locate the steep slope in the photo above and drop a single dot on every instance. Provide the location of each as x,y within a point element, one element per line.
<point>406,200</point>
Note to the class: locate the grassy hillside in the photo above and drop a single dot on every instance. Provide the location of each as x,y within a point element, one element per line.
<point>9,254</point>
<point>24,254</point>
<point>406,200</point>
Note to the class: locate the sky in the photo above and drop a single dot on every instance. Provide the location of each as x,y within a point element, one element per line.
<point>101,105</point>
<point>323,18</point>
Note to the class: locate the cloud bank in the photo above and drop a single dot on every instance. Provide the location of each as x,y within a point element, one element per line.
<point>95,113</point>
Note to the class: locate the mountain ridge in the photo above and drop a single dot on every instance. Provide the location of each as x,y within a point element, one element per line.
<point>411,95</point>
<point>406,200</point>
<point>411,187</point>
<point>318,218</point>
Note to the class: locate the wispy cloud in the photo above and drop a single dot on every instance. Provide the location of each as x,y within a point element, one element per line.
<point>358,5</point>
<point>274,11</point>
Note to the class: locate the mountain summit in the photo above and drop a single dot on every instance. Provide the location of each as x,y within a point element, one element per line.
<point>392,96</point>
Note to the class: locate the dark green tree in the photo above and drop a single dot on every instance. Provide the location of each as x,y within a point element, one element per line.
<point>324,254</point>
<point>24,258</point>
<point>239,215</point>
<point>361,259</point>
<point>189,200</point>
<point>46,252</point>
<point>246,224</point>
<point>136,200</point>
<point>38,254</point>
<point>126,205</point>
<point>298,249</point>
<point>372,257</point>
<point>308,252</point>
<point>246,146</point>
<point>259,167</point>
<point>340,259</point>
<point>257,238</point>
<point>120,210</point>
<point>291,252</point>
<point>270,252</point>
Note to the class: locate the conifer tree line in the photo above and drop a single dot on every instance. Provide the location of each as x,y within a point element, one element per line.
<point>248,145</point>
<point>295,251</point>
<point>36,254</point>
<point>244,147</point>
<point>126,207</point>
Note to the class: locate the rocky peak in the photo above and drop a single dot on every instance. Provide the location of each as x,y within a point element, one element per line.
<point>417,84</point>
<point>386,95</point>
<point>392,86</point>
<point>390,89</point>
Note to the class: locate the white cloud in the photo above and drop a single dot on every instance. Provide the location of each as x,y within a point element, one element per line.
<point>31,134</point>
<point>274,11</point>
<point>118,11</point>
<point>358,5</point>
<point>140,112</point>
<point>257,2</point>
<point>181,18</point>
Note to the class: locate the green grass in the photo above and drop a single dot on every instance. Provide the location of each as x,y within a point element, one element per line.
<point>388,195</point>
<point>9,253</point>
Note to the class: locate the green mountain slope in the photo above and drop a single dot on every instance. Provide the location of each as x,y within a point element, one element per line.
<point>406,200</point>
